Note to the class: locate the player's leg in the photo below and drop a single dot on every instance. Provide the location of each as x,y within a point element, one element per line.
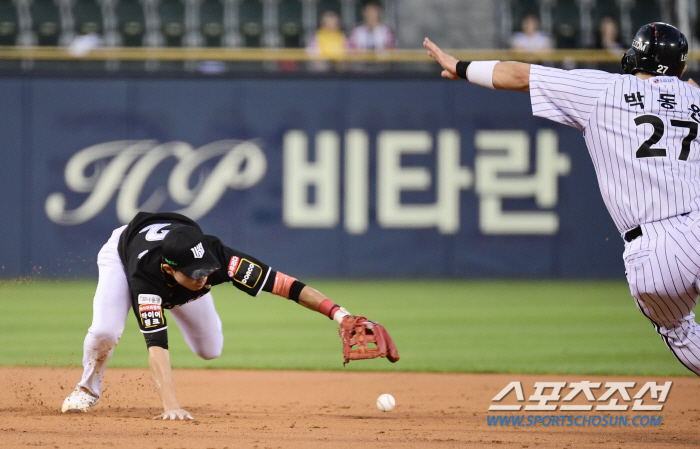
<point>201,326</point>
<point>111,306</point>
<point>663,270</point>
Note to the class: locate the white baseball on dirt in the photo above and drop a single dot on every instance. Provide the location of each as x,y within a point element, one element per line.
<point>386,402</point>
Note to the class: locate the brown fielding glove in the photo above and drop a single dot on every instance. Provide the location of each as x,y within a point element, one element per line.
<point>357,331</point>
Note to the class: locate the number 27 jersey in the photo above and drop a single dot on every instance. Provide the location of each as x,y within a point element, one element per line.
<point>642,136</point>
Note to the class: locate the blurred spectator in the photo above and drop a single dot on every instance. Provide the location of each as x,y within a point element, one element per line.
<point>609,39</point>
<point>609,35</point>
<point>531,38</point>
<point>372,34</point>
<point>329,42</point>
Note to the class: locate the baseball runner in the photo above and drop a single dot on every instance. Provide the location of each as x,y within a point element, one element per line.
<point>164,261</point>
<point>641,129</point>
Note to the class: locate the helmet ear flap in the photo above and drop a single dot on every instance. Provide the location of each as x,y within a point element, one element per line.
<point>627,63</point>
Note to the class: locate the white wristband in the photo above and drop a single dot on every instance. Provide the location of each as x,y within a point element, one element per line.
<point>340,314</point>
<point>481,73</point>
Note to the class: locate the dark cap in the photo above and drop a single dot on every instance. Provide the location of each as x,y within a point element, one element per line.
<point>185,249</point>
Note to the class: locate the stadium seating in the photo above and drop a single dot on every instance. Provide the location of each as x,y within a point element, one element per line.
<point>645,11</point>
<point>9,23</point>
<point>131,22</point>
<point>522,8</point>
<point>605,8</point>
<point>251,22</point>
<point>211,20</point>
<point>290,21</point>
<point>87,17</point>
<point>285,23</point>
<point>325,5</point>
<point>574,23</point>
<point>566,23</point>
<point>172,22</point>
<point>46,22</point>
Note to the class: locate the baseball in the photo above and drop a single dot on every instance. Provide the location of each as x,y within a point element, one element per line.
<point>386,402</point>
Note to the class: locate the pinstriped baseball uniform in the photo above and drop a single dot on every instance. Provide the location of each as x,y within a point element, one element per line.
<point>642,138</point>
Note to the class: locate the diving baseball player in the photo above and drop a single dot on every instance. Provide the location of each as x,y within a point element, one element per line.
<point>641,129</point>
<point>164,261</point>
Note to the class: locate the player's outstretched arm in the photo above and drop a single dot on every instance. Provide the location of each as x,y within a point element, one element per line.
<point>290,288</point>
<point>499,75</point>
<point>510,75</point>
<point>311,298</point>
<point>314,300</point>
<point>356,331</point>
<point>159,361</point>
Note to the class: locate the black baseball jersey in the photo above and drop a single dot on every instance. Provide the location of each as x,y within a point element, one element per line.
<point>153,290</point>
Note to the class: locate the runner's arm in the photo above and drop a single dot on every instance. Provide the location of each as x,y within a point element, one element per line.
<point>506,75</point>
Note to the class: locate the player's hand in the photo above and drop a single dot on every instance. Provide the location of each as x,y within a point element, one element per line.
<point>175,414</point>
<point>446,61</point>
<point>692,83</point>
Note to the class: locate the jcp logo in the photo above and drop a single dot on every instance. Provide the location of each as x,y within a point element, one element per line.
<point>248,272</point>
<point>126,165</point>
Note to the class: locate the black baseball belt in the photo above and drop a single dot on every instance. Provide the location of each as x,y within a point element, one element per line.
<point>637,232</point>
<point>633,234</point>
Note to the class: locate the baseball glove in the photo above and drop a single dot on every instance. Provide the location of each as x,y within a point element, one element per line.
<point>365,339</point>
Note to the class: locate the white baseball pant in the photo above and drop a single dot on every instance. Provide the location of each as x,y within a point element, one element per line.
<point>198,320</point>
<point>663,271</point>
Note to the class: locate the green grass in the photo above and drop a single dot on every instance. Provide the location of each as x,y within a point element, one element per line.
<point>448,326</point>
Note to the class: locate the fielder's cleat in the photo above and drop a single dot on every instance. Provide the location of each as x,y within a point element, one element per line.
<point>79,401</point>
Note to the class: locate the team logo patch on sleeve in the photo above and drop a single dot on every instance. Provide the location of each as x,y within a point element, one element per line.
<point>232,265</point>
<point>151,316</point>
<point>150,299</point>
<point>248,273</point>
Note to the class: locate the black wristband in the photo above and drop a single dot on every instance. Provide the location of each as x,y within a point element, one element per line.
<point>334,309</point>
<point>462,69</point>
<point>295,290</point>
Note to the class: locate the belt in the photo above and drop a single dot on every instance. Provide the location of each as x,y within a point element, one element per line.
<point>637,232</point>
<point>633,234</point>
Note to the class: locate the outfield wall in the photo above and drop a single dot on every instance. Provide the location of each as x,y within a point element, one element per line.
<point>320,177</point>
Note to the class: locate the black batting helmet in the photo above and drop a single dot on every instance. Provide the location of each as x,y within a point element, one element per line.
<point>658,48</point>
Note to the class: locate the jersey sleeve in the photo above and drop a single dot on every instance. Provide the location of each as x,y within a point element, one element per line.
<point>247,273</point>
<point>148,308</point>
<point>567,96</point>
<point>150,313</point>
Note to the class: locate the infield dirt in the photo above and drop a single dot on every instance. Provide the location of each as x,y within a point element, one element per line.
<point>295,409</point>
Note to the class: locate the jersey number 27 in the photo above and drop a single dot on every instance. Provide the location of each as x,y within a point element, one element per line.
<point>646,150</point>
